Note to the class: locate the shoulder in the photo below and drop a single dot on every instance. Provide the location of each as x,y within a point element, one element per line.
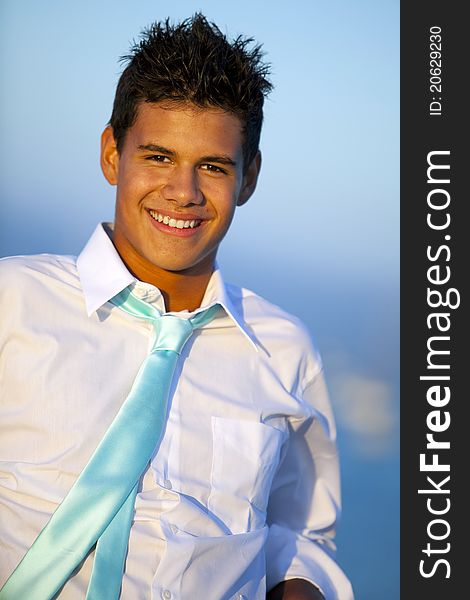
<point>43,263</point>
<point>30,274</point>
<point>261,313</point>
<point>283,335</point>
<point>37,291</point>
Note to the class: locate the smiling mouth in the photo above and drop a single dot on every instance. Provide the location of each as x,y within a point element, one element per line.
<point>175,223</point>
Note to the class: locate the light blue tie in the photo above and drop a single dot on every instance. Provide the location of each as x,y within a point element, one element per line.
<point>99,507</point>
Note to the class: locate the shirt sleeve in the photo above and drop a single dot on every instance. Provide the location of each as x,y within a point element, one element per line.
<point>305,503</point>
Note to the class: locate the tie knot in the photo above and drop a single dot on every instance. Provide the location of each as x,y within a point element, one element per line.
<point>172,333</point>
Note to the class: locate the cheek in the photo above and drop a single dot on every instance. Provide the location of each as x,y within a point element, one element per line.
<point>135,179</point>
<point>131,191</point>
<point>224,213</point>
<point>223,199</point>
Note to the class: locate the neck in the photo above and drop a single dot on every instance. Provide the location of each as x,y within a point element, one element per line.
<point>181,290</point>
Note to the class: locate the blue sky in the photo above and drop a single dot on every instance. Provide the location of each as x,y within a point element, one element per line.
<point>319,237</point>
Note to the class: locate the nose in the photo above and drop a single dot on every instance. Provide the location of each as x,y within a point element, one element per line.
<point>182,187</point>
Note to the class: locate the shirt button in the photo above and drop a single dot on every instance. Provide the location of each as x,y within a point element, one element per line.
<point>167,484</point>
<point>139,291</point>
<point>174,529</point>
<point>152,295</point>
<point>166,594</point>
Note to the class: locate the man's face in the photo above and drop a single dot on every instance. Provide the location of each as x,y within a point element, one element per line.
<point>179,178</point>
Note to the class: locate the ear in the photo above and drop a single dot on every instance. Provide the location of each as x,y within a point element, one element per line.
<point>250,179</point>
<point>109,156</point>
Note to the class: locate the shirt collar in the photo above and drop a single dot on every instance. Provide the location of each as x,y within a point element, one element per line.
<point>216,293</point>
<point>101,270</point>
<point>103,274</point>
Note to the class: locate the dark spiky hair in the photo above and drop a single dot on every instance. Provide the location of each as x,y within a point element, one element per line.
<point>194,62</point>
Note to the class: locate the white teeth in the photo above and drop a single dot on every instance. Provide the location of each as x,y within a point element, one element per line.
<point>178,224</point>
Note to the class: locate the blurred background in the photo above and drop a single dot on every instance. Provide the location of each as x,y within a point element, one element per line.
<point>320,236</point>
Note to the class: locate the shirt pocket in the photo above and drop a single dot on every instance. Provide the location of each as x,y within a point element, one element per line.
<point>191,566</point>
<point>244,461</point>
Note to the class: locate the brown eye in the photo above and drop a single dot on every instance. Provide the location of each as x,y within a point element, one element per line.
<point>158,158</point>
<point>212,168</point>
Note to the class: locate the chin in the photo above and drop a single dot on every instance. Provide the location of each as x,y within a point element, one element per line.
<point>174,266</point>
<point>175,263</point>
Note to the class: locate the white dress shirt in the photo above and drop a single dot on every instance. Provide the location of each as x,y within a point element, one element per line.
<point>244,490</point>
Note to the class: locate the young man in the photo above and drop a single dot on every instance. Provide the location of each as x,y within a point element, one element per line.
<point>239,494</point>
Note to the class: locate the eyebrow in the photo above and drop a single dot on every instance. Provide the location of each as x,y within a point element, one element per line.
<point>156,148</point>
<point>221,159</point>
